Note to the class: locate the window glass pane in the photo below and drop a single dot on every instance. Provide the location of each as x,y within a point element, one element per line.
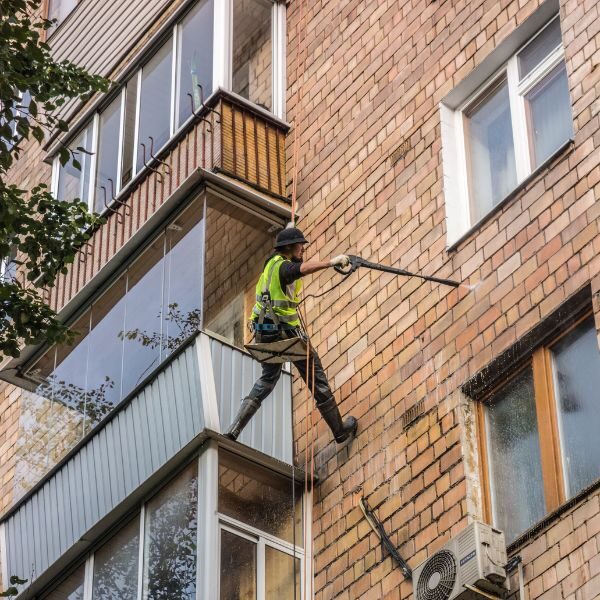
<point>183,276</point>
<point>60,9</point>
<point>490,151</point>
<point>258,497</point>
<point>238,567</point>
<point>252,70</point>
<point>280,575</point>
<point>143,317</point>
<point>577,381</point>
<point>549,114</point>
<point>170,540</point>
<point>35,424</point>
<point>129,130</point>
<point>195,57</point>
<point>116,565</point>
<point>536,51</point>
<point>514,457</point>
<point>155,104</point>
<point>237,245</point>
<point>73,182</point>
<point>106,360</point>
<point>108,154</point>
<point>70,589</point>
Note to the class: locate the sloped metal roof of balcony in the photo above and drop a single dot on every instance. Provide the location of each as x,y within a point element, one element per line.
<point>190,398</point>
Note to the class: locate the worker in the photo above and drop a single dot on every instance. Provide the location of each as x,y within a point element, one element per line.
<point>275,317</point>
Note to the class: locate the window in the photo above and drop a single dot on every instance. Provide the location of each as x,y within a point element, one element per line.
<point>260,532</point>
<point>107,165</point>
<point>60,9</point>
<point>74,177</point>
<point>195,37</point>
<point>116,565</point>
<point>252,51</point>
<point>500,134</point>
<point>170,546</point>
<point>245,56</point>
<point>154,123</point>
<point>8,266</point>
<point>541,431</point>
<point>71,588</point>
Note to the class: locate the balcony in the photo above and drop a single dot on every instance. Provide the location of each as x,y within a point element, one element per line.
<point>151,433</point>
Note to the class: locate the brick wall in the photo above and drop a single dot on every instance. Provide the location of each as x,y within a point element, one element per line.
<point>375,75</point>
<point>563,561</point>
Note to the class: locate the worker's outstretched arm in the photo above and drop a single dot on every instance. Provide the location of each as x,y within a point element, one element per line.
<point>312,266</point>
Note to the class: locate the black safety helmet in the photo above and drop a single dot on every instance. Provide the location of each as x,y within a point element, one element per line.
<point>289,236</point>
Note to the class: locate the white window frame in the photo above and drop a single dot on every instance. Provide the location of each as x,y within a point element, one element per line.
<point>262,540</point>
<point>222,78</point>
<point>458,197</point>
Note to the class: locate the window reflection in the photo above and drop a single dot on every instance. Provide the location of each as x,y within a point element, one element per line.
<point>195,58</point>
<point>280,574</point>
<point>237,245</point>
<point>549,114</point>
<point>170,540</point>
<point>129,130</point>
<point>108,153</point>
<point>260,498</point>
<point>71,588</point>
<point>155,105</point>
<point>238,567</point>
<point>577,381</point>
<point>251,68</point>
<point>116,565</point>
<point>143,321</point>
<point>73,182</point>
<point>490,149</point>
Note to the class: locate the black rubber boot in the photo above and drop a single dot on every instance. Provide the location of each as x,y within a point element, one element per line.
<point>342,430</point>
<point>246,412</point>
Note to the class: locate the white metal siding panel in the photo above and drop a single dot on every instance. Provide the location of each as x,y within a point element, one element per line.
<point>270,430</point>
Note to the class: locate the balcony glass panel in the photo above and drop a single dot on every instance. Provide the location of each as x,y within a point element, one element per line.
<point>116,565</point>
<point>259,498</point>
<point>71,588</point>
<point>170,540</point>
<point>237,246</point>
<point>143,316</point>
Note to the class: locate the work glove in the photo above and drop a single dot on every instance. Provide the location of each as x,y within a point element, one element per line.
<point>340,261</point>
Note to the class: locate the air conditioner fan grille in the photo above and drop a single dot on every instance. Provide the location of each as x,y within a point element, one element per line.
<point>437,578</point>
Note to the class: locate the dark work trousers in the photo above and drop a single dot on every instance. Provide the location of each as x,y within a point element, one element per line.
<point>271,372</point>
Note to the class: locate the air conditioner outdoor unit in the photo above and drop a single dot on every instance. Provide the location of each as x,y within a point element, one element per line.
<point>468,567</point>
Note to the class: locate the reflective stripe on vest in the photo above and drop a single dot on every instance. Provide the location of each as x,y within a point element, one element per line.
<point>283,305</point>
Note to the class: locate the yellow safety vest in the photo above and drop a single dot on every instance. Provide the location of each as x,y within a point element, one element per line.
<point>278,304</point>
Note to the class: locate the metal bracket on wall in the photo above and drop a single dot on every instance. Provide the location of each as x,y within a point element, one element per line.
<point>386,543</point>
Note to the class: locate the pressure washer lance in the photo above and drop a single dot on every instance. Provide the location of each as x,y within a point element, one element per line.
<point>357,261</point>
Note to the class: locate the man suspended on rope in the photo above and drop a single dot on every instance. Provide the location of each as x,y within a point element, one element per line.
<point>281,278</point>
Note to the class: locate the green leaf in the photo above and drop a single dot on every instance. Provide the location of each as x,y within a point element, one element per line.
<point>14,580</point>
